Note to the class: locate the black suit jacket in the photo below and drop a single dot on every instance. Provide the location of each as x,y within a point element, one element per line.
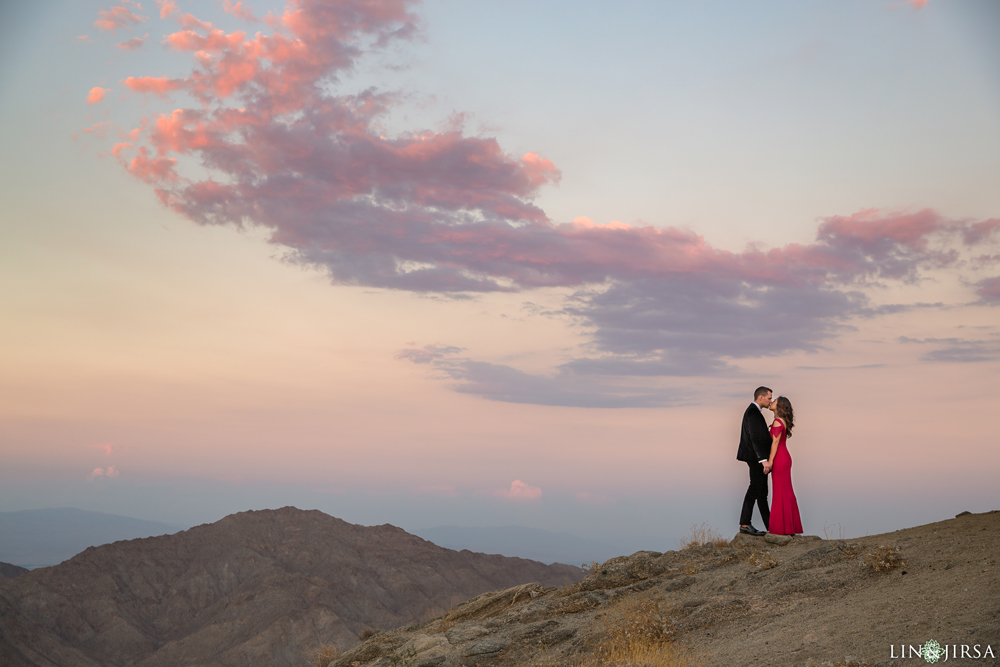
<point>755,439</point>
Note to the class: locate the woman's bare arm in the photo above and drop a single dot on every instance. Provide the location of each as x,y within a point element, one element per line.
<point>775,439</point>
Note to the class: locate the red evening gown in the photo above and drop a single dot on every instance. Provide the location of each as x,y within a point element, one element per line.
<point>784,509</point>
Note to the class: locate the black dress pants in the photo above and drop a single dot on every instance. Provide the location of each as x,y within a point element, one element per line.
<point>756,493</point>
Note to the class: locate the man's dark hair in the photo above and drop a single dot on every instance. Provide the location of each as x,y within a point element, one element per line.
<point>760,391</point>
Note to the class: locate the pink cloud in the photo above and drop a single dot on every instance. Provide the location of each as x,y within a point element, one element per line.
<point>153,170</point>
<point>133,44</point>
<point>445,212</point>
<point>99,129</point>
<point>238,10</point>
<point>149,84</point>
<point>520,491</point>
<point>117,149</point>
<point>96,95</point>
<point>167,7</point>
<point>118,17</point>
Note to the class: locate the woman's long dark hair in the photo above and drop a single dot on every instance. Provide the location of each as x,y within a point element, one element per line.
<point>783,409</point>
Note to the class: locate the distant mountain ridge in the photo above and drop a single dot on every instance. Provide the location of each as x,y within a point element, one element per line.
<point>518,541</point>
<point>39,538</point>
<point>262,587</point>
<point>8,571</point>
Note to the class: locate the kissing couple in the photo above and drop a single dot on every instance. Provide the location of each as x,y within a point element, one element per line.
<point>764,450</point>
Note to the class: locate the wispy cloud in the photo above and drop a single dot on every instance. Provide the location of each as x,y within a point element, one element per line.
<point>239,10</point>
<point>958,350</point>
<point>563,388</point>
<point>133,44</point>
<point>119,17</point>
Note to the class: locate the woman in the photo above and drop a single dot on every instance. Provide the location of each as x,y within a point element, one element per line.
<point>784,509</point>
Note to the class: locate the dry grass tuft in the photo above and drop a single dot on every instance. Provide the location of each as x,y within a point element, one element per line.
<point>639,631</point>
<point>636,630</point>
<point>632,619</point>
<point>640,654</point>
<point>703,536</point>
<point>325,655</point>
<point>829,534</point>
<point>367,633</point>
<point>757,559</point>
<point>883,558</point>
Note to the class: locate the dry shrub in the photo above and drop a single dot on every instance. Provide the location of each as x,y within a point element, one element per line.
<point>703,536</point>
<point>757,559</point>
<point>325,655</point>
<point>633,619</point>
<point>640,654</point>
<point>636,630</point>
<point>639,631</point>
<point>883,558</point>
<point>367,633</point>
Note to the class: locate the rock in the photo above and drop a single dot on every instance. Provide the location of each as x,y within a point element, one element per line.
<point>430,651</point>
<point>779,540</point>
<point>484,647</point>
<point>966,513</point>
<point>743,540</point>
<point>622,571</point>
<point>465,633</point>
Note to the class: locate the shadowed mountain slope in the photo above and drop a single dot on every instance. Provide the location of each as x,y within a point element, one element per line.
<point>8,571</point>
<point>254,588</point>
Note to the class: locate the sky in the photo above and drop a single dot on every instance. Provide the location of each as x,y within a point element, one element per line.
<point>499,263</point>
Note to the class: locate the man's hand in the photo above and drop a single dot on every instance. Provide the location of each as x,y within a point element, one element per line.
<point>767,468</point>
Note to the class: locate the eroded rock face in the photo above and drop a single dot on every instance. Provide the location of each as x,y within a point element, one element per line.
<point>254,587</point>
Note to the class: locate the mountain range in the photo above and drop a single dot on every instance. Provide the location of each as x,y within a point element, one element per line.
<point>266,587</point>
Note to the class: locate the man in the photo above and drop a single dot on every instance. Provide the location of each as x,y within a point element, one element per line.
<point>755,448</point>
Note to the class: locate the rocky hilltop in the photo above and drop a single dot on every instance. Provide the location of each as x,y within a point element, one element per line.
<point>256,588</point>
<point>753,601</point>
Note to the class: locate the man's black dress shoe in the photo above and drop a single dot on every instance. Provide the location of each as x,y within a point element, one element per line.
<point>750,530</point>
